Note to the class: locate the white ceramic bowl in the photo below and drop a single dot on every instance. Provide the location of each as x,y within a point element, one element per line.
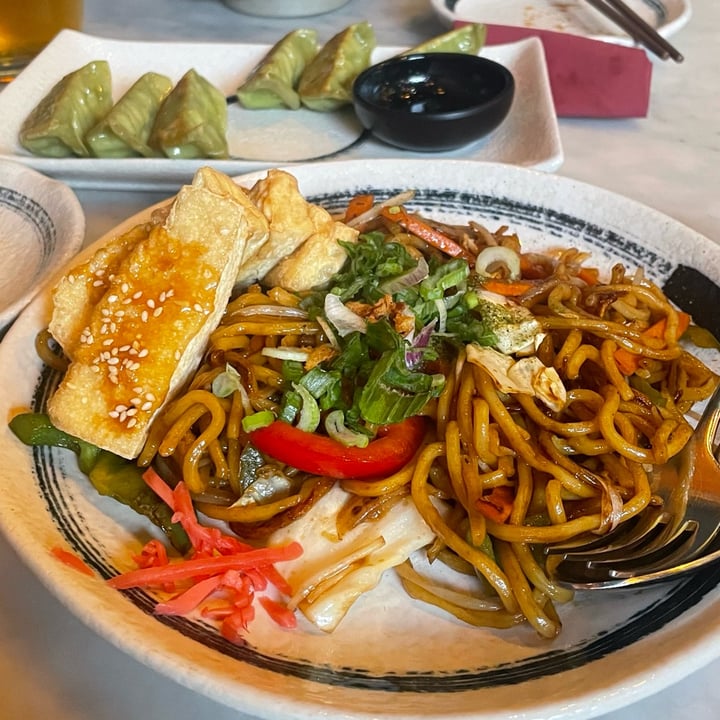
<point>41,227</point>
<point>285,8</point>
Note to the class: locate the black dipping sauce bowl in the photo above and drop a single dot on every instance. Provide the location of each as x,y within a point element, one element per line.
<point>433,101</point>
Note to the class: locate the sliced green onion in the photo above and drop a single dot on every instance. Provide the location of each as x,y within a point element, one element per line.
<point>309,417</point>
<point>257,420</point>
<point>336,429</point>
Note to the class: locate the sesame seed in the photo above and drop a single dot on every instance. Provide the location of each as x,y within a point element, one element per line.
<point>125,288</point>
<point>197,307</point>
<point>143,353</point>
<point>170,293</point>
<point>131,411</point>
<point>151,303</point>
<point>137,295</point>
<point>113,379</point>
<point>149,396</point>
<point>132,422</point>
<point>144,316</point>
<point>113,361</point>
<point>108,342</point>
<point>124,348</point>
<point>112,299</point>
<point>146,406</point>
<point>97,283</point>
<point>114,414</point>
<point>157,312</point>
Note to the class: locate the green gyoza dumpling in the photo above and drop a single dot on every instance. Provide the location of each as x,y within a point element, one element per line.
<point>192,121</point>
<point>273,81</point>
<point>327,81</point>
<point>467,39</point>
<point>57,125</point>
<point>125,130</point>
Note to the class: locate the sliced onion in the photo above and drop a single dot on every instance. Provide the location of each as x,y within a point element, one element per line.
<point>409,279</point>
<point>286,353</point>
<point>498,254</point>
<point>374,211</point>
<point>344,320</point>
<point>283,311</point>
<point>328,331</point>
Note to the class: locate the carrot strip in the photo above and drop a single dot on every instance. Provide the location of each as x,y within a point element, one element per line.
<point>590,276</point>
<point>628,362</point>
<point>419,228</point>
<point>508,288</point>
<point>497,504</point>
<point>357,206</point>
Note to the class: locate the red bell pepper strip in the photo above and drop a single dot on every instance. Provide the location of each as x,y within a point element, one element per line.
<point>395,446</point>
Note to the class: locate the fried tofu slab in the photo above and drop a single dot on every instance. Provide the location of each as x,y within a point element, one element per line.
<point>134,320</point>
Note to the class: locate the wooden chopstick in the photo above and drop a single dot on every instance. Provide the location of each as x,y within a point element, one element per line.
<point>643,33</point>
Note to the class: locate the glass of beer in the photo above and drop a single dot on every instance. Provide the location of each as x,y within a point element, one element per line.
<point>26,26</point>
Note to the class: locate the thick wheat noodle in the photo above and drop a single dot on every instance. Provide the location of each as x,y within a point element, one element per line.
<point>623,336</point>
<point>453,459</point>
<point>478,559</point>
<point>538,576</point>
<point>523,448</point>
<point>212,431</point>
<point>481,439</point>
<point>578,358</point>
<point>523,494</point>
<point>252,327</point>
<point>548,534</point>
<point>383,486</point>
<point>554,502</point>
<point>607,350</point>
<point>523,593</point>
<point>608,417</point>
<point>566,429</point>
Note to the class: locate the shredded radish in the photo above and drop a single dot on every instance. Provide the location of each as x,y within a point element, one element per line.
<point>221,578</point>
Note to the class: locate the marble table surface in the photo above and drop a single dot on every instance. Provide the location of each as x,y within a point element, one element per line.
<point>51,664</point>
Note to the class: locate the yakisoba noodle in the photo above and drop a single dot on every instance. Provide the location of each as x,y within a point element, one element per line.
<point>494,465</point>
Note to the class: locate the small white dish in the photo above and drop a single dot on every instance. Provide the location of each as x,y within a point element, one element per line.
<point>575,16</point>
<point>41,227</point>
<point>529,137</point>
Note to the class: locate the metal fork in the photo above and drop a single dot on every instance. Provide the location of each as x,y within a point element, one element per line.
<point>677,537</point>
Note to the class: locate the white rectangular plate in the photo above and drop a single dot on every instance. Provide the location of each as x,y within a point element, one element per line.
<point>529,136</point>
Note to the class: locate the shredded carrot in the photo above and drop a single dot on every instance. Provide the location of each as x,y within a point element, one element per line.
<point>497,504</point>
<point>357,206</point>
<point>221,570</point>
<point>628,362</point>
<point>508,288</point>
<point>71,560</point>
<point>415,226</point>
<point>590,276</point>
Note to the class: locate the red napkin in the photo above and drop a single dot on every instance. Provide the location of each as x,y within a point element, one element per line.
<point>589,78</point>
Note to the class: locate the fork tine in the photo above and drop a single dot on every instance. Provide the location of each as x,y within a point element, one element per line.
<point>629,536</point>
